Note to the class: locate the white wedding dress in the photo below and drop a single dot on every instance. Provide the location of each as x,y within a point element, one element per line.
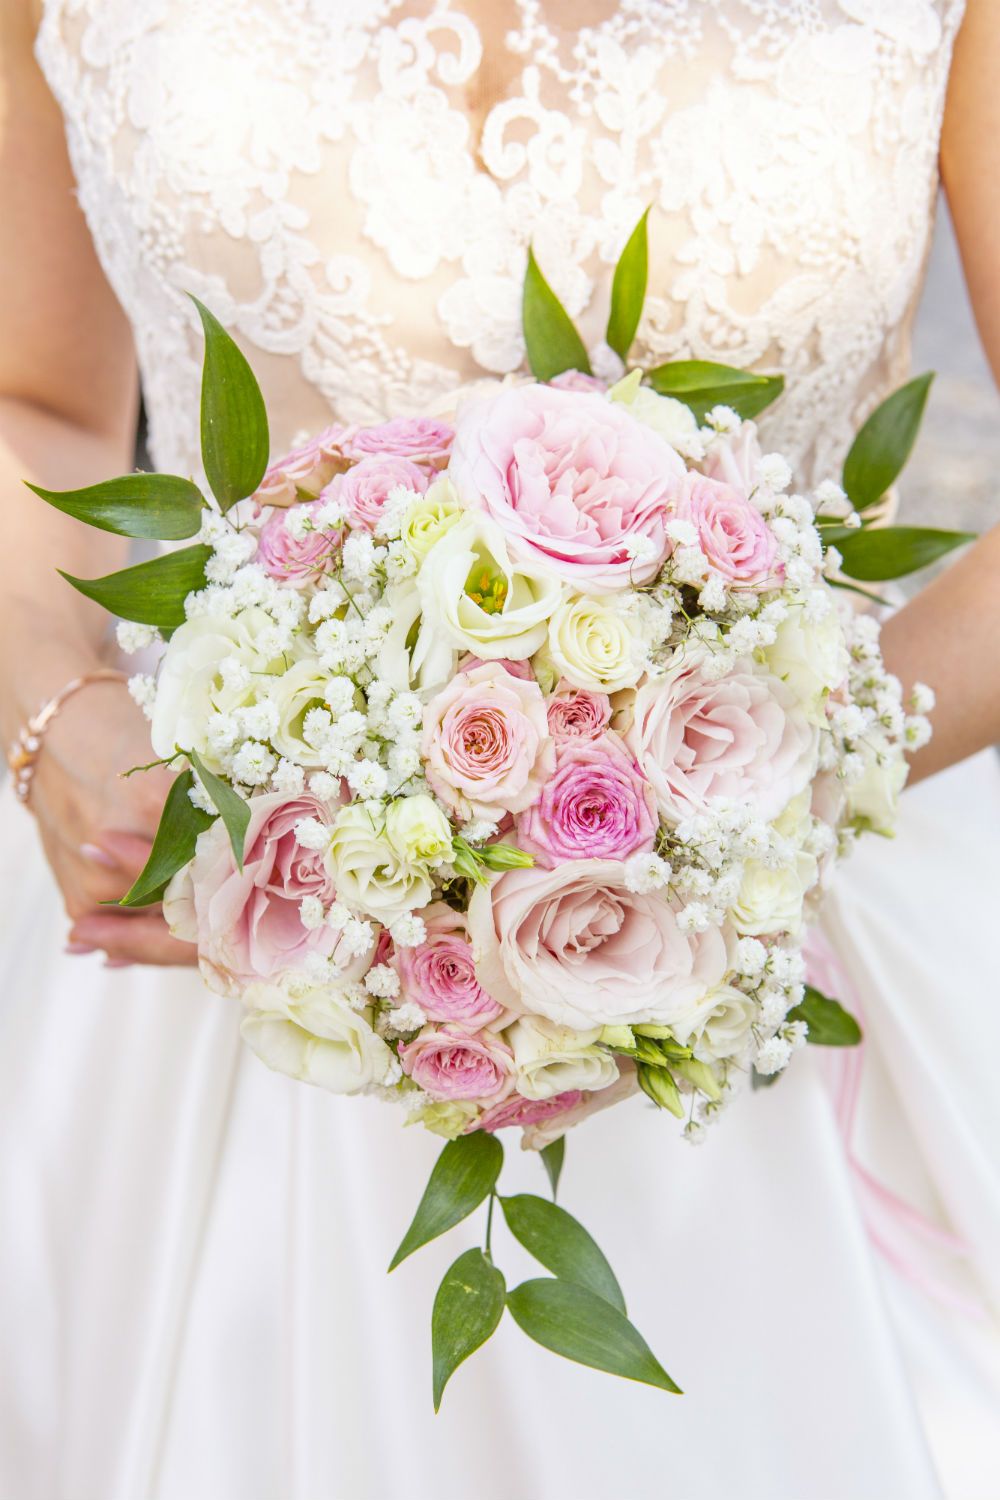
<point>193,1298</point>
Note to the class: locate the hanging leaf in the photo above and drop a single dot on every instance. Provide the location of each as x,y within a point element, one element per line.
<point>553,1155</point>
<point>464,1174</point>
<point>628,290</point>
<point>234,436</point>
<point>830,1025</point>
<point>468,1306</point>
<point>231,807</point>
<point>877,553</point>
<point>884,443</point>
<point>161,507</point>
<point>152,592</point>
<point>702,384</point>
<point>562,1245</point>
<point>551,340</point>
<point>173,846</point>
<point>578,1324</point>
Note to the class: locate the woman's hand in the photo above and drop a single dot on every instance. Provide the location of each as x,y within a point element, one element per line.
<point>97,826</point>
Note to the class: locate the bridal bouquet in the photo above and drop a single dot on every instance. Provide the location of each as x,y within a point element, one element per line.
<point>514,745</point>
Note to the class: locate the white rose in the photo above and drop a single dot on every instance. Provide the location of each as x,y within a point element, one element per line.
<point>190,686</point>
<point>480,598</point>
<point>592,646</point>
<point>872,801</point>
<point>429,516</point>
<point>810,655</point>
<point>414,657</point>
<point>368,871</point>
<point>317,1037</point>
<point>675,422</point>
<point>418,830</point>
<point>770,900</point>
<point>718,1025</point>
<point>552,1059</point>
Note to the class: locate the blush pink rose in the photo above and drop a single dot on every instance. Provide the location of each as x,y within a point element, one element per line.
<point>449,1063</point>
<point>364,489</point>
<point>440,973</point>
<point>541,1133</point>
<point>516,1110</point>
<point>520,669</point>
<point>746,737</point>
<point>290,559</point>
<point>595,805</point>
<point>486,743</point>
<point>572,478</point>
<point>422,439</point>
<point>574,944</point>
<point>306,470</point>
<point>577,713</point>
<point>578,380</point>
<point>732,533</point>
<point>735,459</point>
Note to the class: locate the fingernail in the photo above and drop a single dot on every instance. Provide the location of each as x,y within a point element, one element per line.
<point>118,963</point>
<point>79,948</point>
<point>98,856</point>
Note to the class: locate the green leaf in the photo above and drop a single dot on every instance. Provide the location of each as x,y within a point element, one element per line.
<point>152,592</point>
<point>702,384</point>
<point>468,1306</point>
<point>234,436</point>
<point>880,552</point>
<point>628,290</point>
<point>562,1245</point>
<point>173,847</point>
<point>463,1175</point>
<point>552,341</point>
<point>159,506</point>
<point>232,808</point>
<point>578,1324</point>
<point>884,443</point>
<point>553,1155</point>
<point>830,1025</point>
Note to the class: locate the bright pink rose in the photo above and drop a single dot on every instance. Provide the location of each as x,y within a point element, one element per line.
<point>732,533</point>
<point>449,1063</point>
<point>364,489</point>
<point>577,713</point>
<point>595,805</point>
<point>516,1110</point>
<point>306,470</point>
<point>573,479</point>
<point>420,438</point>
<point>440,973</point>
<point>290,559</point>
<point>746,737</point>
<point>541,1133</point>
<point>574,944</point>
<point>486,743</point>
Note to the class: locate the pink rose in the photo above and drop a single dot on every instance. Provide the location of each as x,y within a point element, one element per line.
<point>291,559</point>
<point>448,1063</point>
<point>596,805</point>
<point>577,380</point>
<point>573,479</point>
<point>541,1133</point>
<point>440,973</point>
<point>735,459</point>
<point>364,489</point>
<point>577,713</point>
<point>486,743</point>
<point>304,471</point>
<point>574,944</point>
<point>520,669</point>
<point>516,1110</point>
<point>746,736</point>
<point>420,438</point>
<point>732,533</point>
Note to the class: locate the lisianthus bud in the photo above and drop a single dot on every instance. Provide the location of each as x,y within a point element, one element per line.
<point>658,1085</point>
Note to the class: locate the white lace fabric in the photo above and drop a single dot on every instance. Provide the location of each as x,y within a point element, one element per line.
<point>352,185</point>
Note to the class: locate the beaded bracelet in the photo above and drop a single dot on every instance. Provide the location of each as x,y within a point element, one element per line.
<point>22,756</point>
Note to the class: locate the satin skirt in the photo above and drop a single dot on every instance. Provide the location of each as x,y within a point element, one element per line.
<point>193,1294</point>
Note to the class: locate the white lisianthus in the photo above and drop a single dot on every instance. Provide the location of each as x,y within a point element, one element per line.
<point>418,830</point>
<point>770,900</point>
<point>809,654</point>
<point>200,677</point>
<point>671,419</point>
<point>316,1037</point>
<point>551,1059</point>
<point>592,646</point>
<point>482,599</point>
<point>429,516</point>
<point>873,798</point>
<point>367,869</point>
<point>718,1025</point>
<point>413,657</point>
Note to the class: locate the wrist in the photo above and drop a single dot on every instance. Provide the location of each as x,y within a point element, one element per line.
<point>35,674</point>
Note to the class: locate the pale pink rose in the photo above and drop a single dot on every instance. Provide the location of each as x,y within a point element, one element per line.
<point>541,1133</point>
<point>450,1063</point>
<point>577,713</point>
<point>578,380</point>
<point>735,459</point>
<point>576,945</point>
<point>746,737</point>
<point>248,925</point>
<point>732,533</point>
<point>364,489</point>
<point>440,973</point>
<point>595,805</point>
<point>306,470</point>
<point>516,1110</point>
<point>520,669</point>
<point>290,559</point>
<point>422,439</point>
<point>572,478</point>
<point>486,743</point>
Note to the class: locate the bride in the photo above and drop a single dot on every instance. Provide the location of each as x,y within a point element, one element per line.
<point>193,1303</point>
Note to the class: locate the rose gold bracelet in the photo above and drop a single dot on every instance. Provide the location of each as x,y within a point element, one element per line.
<point>22,757</point>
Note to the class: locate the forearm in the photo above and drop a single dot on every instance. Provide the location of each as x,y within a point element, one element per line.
<point>948,637</point>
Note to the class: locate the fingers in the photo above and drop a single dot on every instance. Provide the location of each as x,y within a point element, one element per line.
<point>140,937</point>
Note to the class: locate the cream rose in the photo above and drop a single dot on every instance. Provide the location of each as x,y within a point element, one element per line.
<point>315,1037</point>
<point>591,646</point>
<point>872,802</point>
<point>551,1059</point>
<point>418,830</point>
<point>670,419</point>
<point>429,516</point>
<point>809,655</point>
<point>368,870</point>
<point>770,900</point>
<point>718,1026</point>
<point>293,694</point>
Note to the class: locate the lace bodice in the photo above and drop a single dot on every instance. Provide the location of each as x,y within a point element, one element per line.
<point>351,186</point>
